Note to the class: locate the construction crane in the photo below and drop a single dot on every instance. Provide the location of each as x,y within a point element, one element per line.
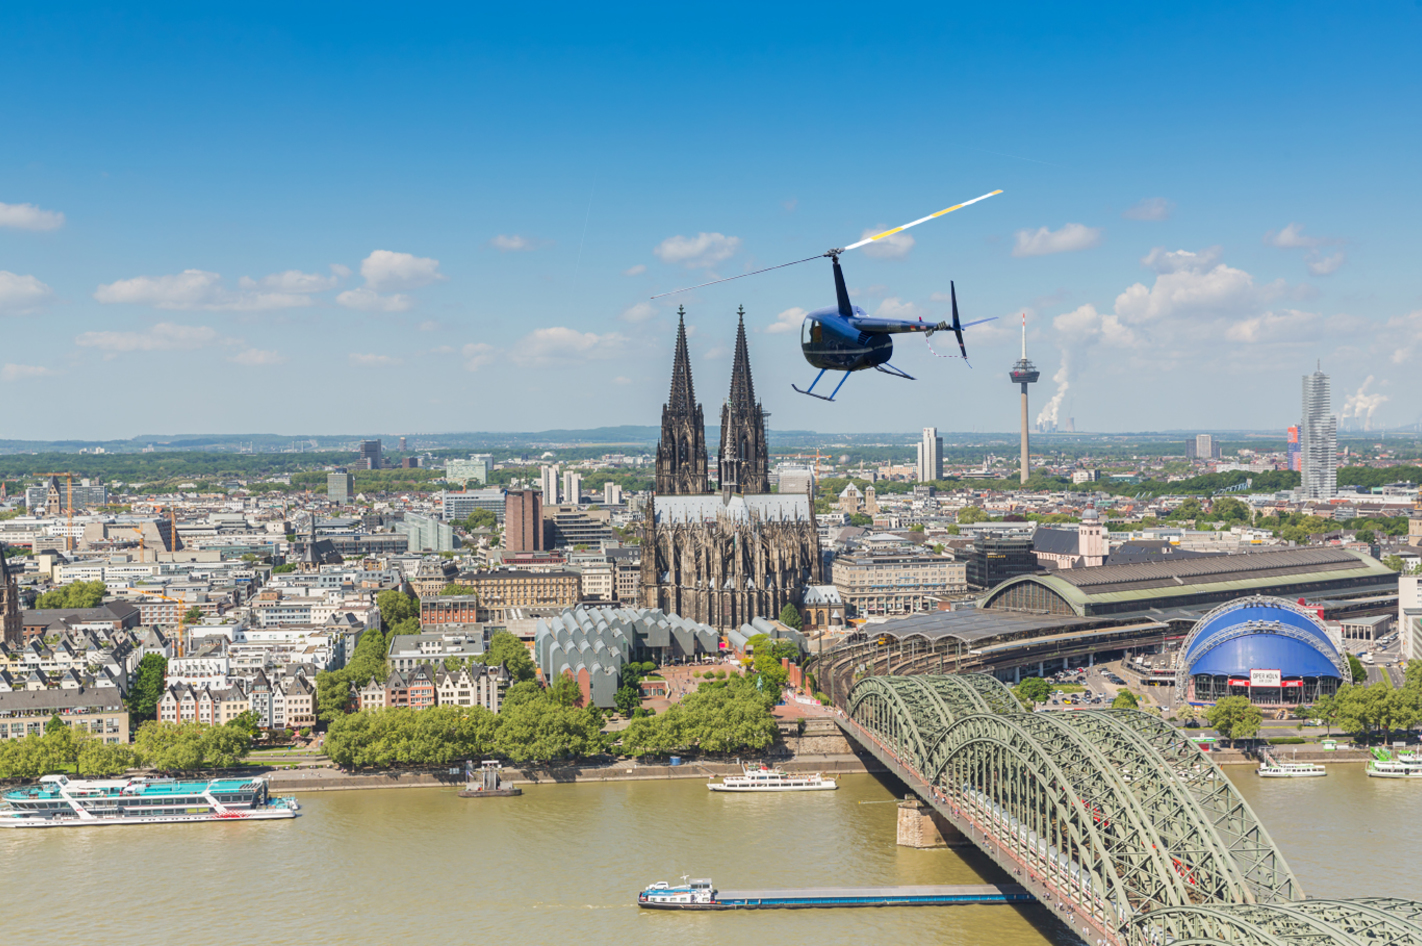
<point>182,614</point>
<point>69,483</point>
<point>816,456</point>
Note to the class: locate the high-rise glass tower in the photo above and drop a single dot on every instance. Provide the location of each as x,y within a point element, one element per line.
<point>1318,437</point>
<point>930,456</point>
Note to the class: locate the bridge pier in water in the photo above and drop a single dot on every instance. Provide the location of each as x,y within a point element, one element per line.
<point>921,826</point>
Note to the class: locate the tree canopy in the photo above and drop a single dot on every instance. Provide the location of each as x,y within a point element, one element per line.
<point>506,649</point>
<point>78,594</point>
<point>790,616</point>
<point>148,686</point>
<point>1034,690</point>
<point>1234,717</point>
<point>1125,699</point>
<point>720,719</point>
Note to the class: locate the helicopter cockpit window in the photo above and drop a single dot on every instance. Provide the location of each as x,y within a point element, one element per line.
<point>812,332</point>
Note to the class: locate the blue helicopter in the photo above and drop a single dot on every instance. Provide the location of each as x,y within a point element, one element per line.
<point>843,337</point>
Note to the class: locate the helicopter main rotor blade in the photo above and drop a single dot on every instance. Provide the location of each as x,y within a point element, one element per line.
<point>672,292</point>
<point>888,233</point>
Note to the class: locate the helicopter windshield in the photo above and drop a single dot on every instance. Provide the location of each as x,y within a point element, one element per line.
<point>811,331</point>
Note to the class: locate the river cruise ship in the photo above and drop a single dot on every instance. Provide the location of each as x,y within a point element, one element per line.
<point>58,801</point>
<point>1291,770</point>
<point>764,779</point>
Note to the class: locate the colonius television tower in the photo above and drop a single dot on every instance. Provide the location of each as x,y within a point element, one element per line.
<point>1024,373</point>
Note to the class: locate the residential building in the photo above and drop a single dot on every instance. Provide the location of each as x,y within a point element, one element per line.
<point>1409,616</point>
<point>611,494</point>
<point>572,488</point>
<point>457,506</point>
<point>112,615</point>
<point>1318,438</point>
<point>1202,447</point>
<point>570,526</point>
<point>523,521</point>
<point>462,471</point>
<point>462,642</point>
<point>896,582</point>
<point>99,711</point>
<point>340,487</point>
<point>470,685</point>
<point>548,481</point>
<point>436,610</point>
<point>428,534</point>
<point>599,581</point>
<point>930,456</point>
<point>498,591</point>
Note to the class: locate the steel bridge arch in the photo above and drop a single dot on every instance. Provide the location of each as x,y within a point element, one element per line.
<point>1302,923</point>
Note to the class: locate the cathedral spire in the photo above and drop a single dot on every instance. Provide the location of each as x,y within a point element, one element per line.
<point>742,385</point>
<point>683,392</point>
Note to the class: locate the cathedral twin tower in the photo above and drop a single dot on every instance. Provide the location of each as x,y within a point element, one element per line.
<point>744,552</point>
<point>744,460</point>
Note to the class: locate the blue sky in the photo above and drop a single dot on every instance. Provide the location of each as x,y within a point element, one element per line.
<point>348,218</point>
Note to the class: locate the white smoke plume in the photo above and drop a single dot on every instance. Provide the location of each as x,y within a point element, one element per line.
<point>1048,416</point>
<point>1362,404</point>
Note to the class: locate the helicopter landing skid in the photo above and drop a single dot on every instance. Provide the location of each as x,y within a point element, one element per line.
<point>895,372</point>
<point>811,390</point>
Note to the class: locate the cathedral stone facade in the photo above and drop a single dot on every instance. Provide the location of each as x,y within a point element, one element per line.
<point>726,557</point>
<point>10,625</point>
<point>681,453</point>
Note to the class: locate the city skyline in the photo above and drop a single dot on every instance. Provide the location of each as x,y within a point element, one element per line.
<point>325,203</point>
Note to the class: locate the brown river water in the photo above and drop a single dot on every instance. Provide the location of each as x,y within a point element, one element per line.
<point>563,864</point>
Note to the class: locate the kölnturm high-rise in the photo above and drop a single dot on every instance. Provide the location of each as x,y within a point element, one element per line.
<point>1318,437</point>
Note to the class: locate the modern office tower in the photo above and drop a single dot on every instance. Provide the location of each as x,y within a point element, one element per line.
<point>1207,447</point>
<point>1318,437</point>
<point>549,479</point>
<point>1295,455</point>
<point>930,456</point>
<point>370,453</point>
<point>572,487</point>
<point>1024,373</point>
<point>523,521</point>
<point>462,471</point>
<point>340,486</point>
<point>402,444</point>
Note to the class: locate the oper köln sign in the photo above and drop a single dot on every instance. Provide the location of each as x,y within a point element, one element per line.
<point>1265,678</point>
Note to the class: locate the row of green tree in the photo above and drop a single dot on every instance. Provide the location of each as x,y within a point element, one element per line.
<point>1363,710</point>
<point>185,747</point>
<point>76,594</point>
<point>719,719</point>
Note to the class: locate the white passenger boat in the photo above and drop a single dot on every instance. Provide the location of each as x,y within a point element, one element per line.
<point>764,779</point>
<point>58,801</point>
<point>1290,770</point>
<point>1394,768</point>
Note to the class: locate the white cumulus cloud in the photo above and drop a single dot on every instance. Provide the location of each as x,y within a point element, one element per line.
<point>29,217</point>
<point>1319,265</point>
<point>1151,208</point>
<point>637,270</point>
<point>787,321</point>
<point>640,312</point>
<point>199,290</point>
<point>384,270</point>
<point>368,300</point>
<point>702,250</point>
<point>1291,238</point>
<point>293,280</point>
<point>1178,261</point>
<point>891,247</point>
<point>21,293</point>
<point>258,358</point>
<point>513,243</point>
<point>557,344</point>
<point>372,361</point>
<point>12,372</point>
<point>1069,239</point>
<point>895,308</point>
<point>164,336</point>
<point>478,354</point>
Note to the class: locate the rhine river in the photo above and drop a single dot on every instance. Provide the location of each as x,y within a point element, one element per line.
<point>563,863</point>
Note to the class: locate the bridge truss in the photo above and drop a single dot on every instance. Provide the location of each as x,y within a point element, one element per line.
<point>1112,817</point>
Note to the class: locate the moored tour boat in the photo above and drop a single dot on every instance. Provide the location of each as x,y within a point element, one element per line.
<point>58,801</point>
<point>763,779</point>
<point>1291,770</point>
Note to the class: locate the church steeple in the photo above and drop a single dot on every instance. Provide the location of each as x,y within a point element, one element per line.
<point>683,391</point>
<point>745,456</point>
<point>681,452</point>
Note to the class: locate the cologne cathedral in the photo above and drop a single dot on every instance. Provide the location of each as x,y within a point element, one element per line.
<point>724,557</point>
